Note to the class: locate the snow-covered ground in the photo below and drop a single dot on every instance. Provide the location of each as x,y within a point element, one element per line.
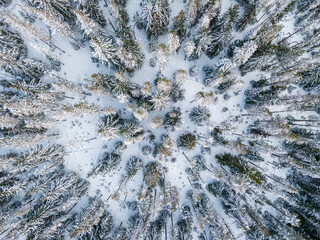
<point>85,147</point>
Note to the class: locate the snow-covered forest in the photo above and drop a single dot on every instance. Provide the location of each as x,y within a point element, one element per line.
<point>160,119</point>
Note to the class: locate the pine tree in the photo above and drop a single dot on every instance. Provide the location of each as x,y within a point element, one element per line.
<point>249,16</point>
<point>88,26</point>
<point>179,25</point>
<point>132,132</point>
<point>160,101</point>
<point>101,84</point>
<point>140,113</point>
<point>222,31</point>
<point>203,41</point>
<point>187,141</point>
<point>162,54</point>
<point>94,220</point>
<point>163,85</point>
<point>184,224</point>
<point>157,122</point>
<point>11,40</point>
<point>129,48</point>
<point>189,48</point>
<point>173,43</point>
<point>199,115</point>
<point>156,16</point>
<point>245,52</point>
<point>164,149</point>
<point>25,68</point>
<point>204,97</point>
<point>192,12</point>
<point>109,161</point>
<point>180,76</point>
<point>152,173</point>
<point>104,50</point>
<point>109,126</point>
<point>173,119</point>
<point>132,166</point>
<point>55,18</point>
<point>60,8</point>
<point>92,10</point>
<point>239,166</point>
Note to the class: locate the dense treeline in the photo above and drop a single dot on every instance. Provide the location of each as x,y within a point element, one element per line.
<point>254,175</point>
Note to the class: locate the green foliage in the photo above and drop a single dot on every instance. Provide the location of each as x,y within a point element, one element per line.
<point>60,8</point>
<point>94,221</point>
<point>307,154</point>
<point>200,115</point>
<point>165,148</point>
<point>240,167</point>
<point>156,16</point>
<point>93,11</point>
<point>249,16</point>
<point>132,131</point>
<point>131,54</point>
<point>109,126</point>
<point>109,161</point>
<point>173,119</point>
<point>132,166</point>
<point>310,79</point>
<point>179,25</point>
<point>105,50</point>
<point>222,29</point>
<point>11,40</point>
<point>152,173</point>
<point>187,141</point>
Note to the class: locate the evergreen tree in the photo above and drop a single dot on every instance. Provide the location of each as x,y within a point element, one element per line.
<point>109,126</point>
<point>222,31</point>
<point>104,50</point>
<point>203,41</point>
<point>129,48</point>
<point>164,149</point>
<point>184,224</point>
<point>160,101</point>
<point>188,141</point>
<point>249,16</point>
<point>25,68</point>
<point>239,166</point>
<point>88,26</point>
<point>199,115</point>
<point>189,48</point>
<point>180,76</point>
<point>94,222</point>
<point>152,173</point>
<point>192,12</point>
<point>162,54</point>
<point>54,15</point>
<point>92,10</point>
<point>132,166</point>
<point>179,25</point>
<point>156,16</point>
<point>11,40</point>
<point>60,8</point>
<point>173,119</point>
<point>173,43</point>
<point>132,132</point>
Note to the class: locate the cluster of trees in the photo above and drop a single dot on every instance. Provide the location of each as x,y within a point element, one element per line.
<point>265,168</point>
<point>36,194</point>
<point>13,54</point>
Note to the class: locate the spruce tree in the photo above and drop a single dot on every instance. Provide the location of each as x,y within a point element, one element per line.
<point>199,115</point>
